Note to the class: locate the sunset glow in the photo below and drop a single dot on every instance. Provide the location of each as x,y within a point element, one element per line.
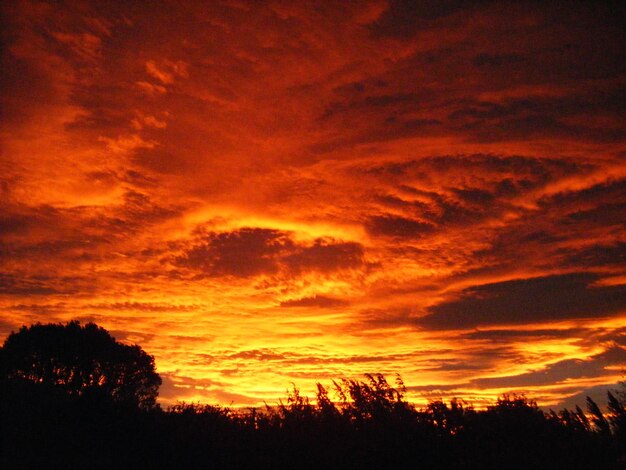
<point>267,193</point>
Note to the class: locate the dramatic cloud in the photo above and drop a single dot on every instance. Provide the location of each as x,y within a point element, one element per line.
<point>430,188</point>
<point>249,252</point>
<point>528,301</point>
<point>560,371</point>
<point>397,227</point>
<point>315,301</point>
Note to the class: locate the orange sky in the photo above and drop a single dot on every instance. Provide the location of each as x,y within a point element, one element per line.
<point>261,193</point>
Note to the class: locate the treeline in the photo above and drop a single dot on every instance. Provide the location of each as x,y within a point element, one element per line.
<point>72,397</point>
<point>369,425</point>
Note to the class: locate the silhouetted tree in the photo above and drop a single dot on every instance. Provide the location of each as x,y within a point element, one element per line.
<point>80,361</point>
<point>616,407</point>
<point>449,419</point>
<point>598,419</point>
<point>325,407</point>
<point>617,410</point>
<point>373,400</point>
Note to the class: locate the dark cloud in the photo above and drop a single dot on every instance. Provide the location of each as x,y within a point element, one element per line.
<point>445,365</point>
<point>143,307</point>
<point>394,226</point>
<point>295,358</point>
<point>453,201</point>
<point>406,18</point>
<point>573,229</point>
<point>523,116</point>
<point>71,249</point>
<point>435,389</point>
<point>139,210</point>
<point>384,318</point>
<point>607,192</point>
<point>424,217</point>
<point>253,251</point>
<point>74,235</point>
<point>546,298</point>
<point>40,308</point>
<point>325,255</point>
<point>560,371</point>
<point>597,393</point>
<point>397,202</point>
<point>242,253</point>
<point>601,254</point>
<point>507,335</point>
<point>605,101</point>
<point>497,60</point>
<point>558,48</point>
<point>617,336</point>
<point>580,212</point>
<point>389,118</point>
<point>539,125</point>
<point>475,195</point>
<point>258,355</point>
<point>14,223</point>
<point>11,284</point>
<point>19,219</point>
<point>315,301</point>
<point>526,171</point>
<point>603,216</point>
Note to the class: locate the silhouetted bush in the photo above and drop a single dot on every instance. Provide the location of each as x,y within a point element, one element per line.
<point>81,361</point>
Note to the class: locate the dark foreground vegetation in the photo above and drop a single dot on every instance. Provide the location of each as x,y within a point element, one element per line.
<point>63,411</point>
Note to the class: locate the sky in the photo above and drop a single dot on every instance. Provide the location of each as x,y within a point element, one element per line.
<point>262,194</point>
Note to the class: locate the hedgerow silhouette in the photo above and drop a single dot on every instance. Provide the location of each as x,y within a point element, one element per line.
<point>368,424</point>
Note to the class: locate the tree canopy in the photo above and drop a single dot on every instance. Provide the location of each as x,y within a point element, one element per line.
<point>81,361</point>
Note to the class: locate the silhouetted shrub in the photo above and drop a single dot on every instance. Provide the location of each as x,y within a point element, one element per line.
<point>81,361</point>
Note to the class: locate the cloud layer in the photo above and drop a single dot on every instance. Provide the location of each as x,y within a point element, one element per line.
<point>276,192</point>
